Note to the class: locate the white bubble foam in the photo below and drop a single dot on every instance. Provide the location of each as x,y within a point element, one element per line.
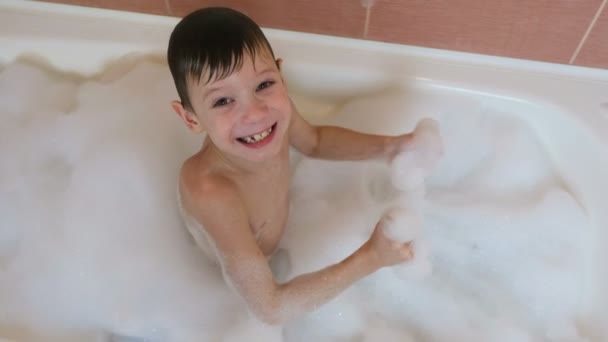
<point>251,329</point>
<point>405,225</point>
<point>91,243</point>
<point>410,169</point>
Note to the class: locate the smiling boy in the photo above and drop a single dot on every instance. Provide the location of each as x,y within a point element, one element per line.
<point>234,192</point>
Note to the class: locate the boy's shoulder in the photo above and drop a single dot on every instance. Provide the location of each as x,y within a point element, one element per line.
<point>203,184</point>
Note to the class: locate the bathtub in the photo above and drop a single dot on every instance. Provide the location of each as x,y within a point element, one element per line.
<point>567,106</point>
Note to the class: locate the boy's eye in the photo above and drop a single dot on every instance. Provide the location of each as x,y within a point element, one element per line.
<point>265,85</point>
<point>222,102</point>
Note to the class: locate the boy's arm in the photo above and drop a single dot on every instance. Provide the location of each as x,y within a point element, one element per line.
<point>223,215</point>
<point>336,143</point>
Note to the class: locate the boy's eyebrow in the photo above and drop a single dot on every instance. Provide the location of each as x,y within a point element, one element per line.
<point>267,70</point>
<point>210,91</point>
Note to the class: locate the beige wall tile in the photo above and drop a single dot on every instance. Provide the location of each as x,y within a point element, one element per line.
<point>594,52</point>
<point>547,30</point>
<point>332,17</point>
<point>144,6</point>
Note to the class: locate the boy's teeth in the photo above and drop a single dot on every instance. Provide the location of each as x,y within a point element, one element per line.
<point>257,137</point>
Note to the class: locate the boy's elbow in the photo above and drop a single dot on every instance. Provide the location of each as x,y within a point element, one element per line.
<point>271,312</point>
<point>309,142</point>
<point>311,152</point>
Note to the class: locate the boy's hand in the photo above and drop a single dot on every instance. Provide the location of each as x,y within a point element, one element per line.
<point>385,252</point>
<point>416,158</point>
<point>425,139</point>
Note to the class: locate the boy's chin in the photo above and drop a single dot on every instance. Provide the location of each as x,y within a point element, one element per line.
<point>260,155</point>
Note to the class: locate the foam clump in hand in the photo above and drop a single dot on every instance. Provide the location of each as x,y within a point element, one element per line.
<point>410,168</point>
<point>406,225</point>
<point>401,224</point>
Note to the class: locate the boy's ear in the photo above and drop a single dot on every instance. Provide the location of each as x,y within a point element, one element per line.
<point>189,118</point>
<point>279,62</point>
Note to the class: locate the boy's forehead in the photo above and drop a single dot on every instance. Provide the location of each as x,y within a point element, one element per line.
<point>262,60</point>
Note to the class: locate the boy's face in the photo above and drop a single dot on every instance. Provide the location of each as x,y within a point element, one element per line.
<point>245,114</point>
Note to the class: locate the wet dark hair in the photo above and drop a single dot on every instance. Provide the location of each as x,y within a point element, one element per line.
<point>212,39</point>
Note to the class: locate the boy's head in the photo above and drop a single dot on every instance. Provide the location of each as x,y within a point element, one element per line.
<point>211,42</point>
<point>222,63</point>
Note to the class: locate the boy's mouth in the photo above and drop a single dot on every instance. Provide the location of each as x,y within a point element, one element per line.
<point>258,139</point>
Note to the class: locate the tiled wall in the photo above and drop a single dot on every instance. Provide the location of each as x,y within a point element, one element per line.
<point>560,31</point>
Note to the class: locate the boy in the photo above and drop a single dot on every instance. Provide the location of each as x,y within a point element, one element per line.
<point>234,191</point>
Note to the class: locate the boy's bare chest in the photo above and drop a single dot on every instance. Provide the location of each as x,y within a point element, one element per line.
<point>267,204</point>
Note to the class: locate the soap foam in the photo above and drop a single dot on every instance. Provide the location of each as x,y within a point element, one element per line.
<point>92,246</point>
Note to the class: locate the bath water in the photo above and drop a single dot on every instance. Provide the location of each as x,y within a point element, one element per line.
<point>92,247</point>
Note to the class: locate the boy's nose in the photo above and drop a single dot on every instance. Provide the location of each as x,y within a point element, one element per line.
<point>255,111</point>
